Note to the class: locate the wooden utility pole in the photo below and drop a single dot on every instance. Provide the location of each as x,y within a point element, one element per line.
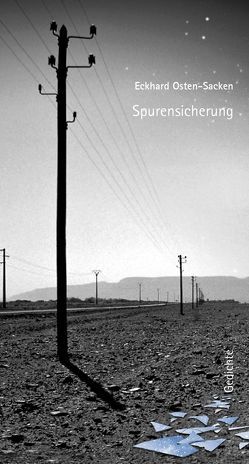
<point>193,291</point>
<point>181,260</point>
<point>96,287</point>
<point>140,292</point>
<point>61,197</point>
<point>197,293</point>
<point>4,276</point>
<point>62,125</point>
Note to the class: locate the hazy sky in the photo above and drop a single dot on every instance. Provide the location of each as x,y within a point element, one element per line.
<point>135,199</point>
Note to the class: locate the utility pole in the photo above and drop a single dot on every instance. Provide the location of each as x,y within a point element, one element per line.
<point>197,292</point>
<point>4,276</point>
<point>200,296</point>
<point>96,272</point>
<point>158,295</point>
<point>167,297</point>
<point>181,260</point>
<point>193,291</point>
<point>140,292</point>
<point>62,125</point>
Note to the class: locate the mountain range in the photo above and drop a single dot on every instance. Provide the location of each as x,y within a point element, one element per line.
<point>213,287</point>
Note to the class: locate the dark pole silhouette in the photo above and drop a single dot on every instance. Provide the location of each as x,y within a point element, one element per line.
<point>180,259</point>
<point>197,301</point>
<point>4,276</point>
<point>158,295</point>
<point>193,291</point>
<point>96,275</point>
<point>140,292</point>
<point>62,125</point>
<point>61,198</point>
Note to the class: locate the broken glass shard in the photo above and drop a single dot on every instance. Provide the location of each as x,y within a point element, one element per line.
<point>244,435</point>
<point>190,430</point>
<point>218,404</point>
<point>228,420</point>
<point>168,445</point>
<point>203,419</point>
<point>178,414</point>
<point>160,427</point>
<point>217,430</point>
<point>209,445</point>
<point>243,444</point>
<point>238,428</point>
<point>193,437</point>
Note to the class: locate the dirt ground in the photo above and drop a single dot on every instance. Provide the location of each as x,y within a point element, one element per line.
<point>128,367</point>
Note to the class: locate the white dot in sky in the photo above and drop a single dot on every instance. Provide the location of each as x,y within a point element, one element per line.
<point>237,82</point>
<point>214,72</point>
<point>153,74</point>
<point>195,100</point>
<point>126,68</point>
<point>187,21</point>
<point>207,18</point>
<point>240,114</point>
<point>185,72</point>
<point>203,37</point>
<point>186,33</point>
<point>241,70</point>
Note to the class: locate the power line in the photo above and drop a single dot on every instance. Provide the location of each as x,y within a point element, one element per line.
<point>114,163</point>
<point>32,25</point>
<point>37,80</point>
<point>22,260</point>
<point>123,110</point>
<point>156,199</point>
<point>36,31</point>
<point>135,180</point>
<point>34,77</point>
<point>39,69</point>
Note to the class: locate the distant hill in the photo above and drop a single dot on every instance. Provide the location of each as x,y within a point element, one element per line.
<point>213,287</point>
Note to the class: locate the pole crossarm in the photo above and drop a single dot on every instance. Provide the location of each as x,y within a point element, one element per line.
<point>93,32</point>
<point>45,93</point>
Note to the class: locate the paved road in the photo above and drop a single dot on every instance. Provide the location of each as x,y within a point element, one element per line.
<point>100,308</point>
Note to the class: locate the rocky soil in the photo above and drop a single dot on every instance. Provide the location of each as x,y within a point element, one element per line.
<point>127,368</point>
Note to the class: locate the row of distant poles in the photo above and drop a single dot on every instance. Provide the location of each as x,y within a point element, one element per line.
<point>196,293</point>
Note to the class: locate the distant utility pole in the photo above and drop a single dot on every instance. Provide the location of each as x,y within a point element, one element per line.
<point>193,291</point>
<point>200,294</point>
<point>158,295</point>
<point>167,297</point>
<point>140,292</point>
<point>62,125</point>
<point>181,260</point>
<point>96,272</point>
<point>197,292</point>
<point>4,276</point>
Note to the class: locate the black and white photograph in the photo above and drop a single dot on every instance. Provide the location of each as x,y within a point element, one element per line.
<point>124,239</point>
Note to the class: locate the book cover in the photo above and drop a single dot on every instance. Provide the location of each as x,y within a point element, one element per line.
<point>124,198</point>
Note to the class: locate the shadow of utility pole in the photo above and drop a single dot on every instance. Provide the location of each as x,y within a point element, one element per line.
<point>96,387</point>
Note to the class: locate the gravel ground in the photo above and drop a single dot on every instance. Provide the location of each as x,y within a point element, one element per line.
<point>128,368</point>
